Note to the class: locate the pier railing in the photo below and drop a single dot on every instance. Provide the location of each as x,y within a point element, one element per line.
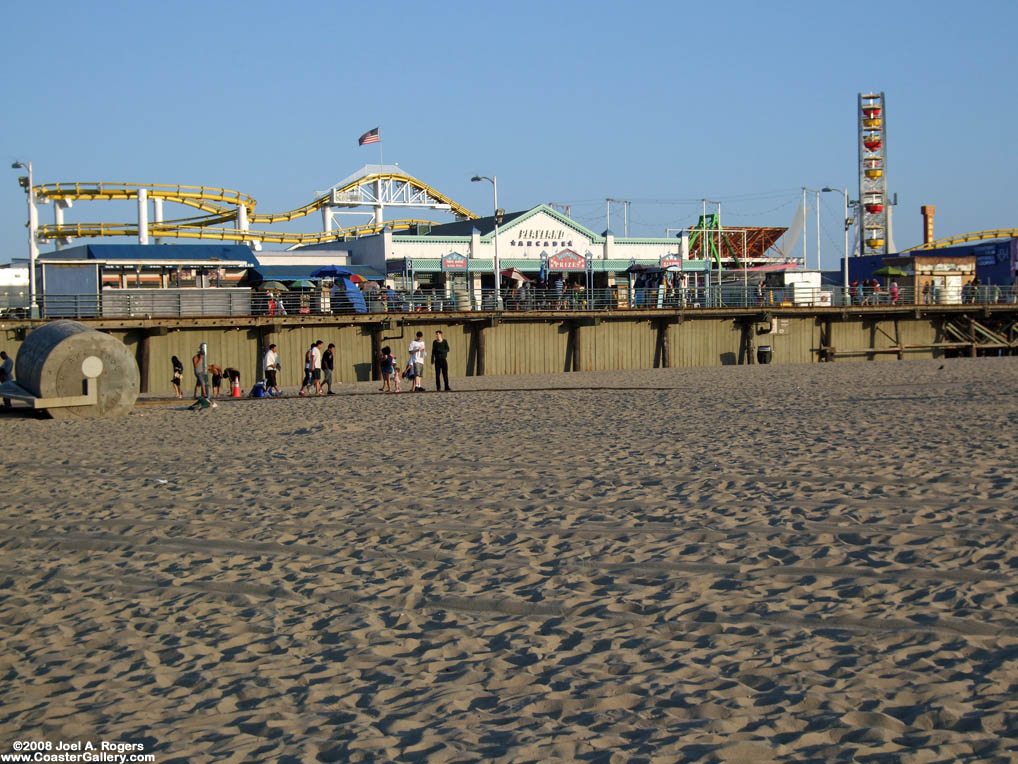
<point>159,303</point>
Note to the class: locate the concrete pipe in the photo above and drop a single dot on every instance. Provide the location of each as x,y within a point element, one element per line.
<point>54,360</point>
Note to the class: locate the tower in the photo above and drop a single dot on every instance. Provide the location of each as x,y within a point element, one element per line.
<point>872,116</point>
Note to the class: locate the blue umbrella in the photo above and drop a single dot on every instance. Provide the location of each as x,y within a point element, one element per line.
<point>330,272</point>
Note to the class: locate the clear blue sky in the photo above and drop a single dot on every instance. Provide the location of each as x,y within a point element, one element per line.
<point>658,102</point>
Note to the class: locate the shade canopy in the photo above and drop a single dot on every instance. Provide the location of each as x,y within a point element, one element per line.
<point>330,272</point>
<point>512,273</point>
<point>889,270</point>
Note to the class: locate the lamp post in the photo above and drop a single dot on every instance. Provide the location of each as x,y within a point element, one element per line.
<point>33,242</point>
<point>847,225</point>
<point>817,192</point>
<point>498,267</point>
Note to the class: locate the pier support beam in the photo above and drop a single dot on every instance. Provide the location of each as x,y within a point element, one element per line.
<point>747,346</point>
<point>376,348</point>
<point>573,359</point>
<point>144,356</point>
<point>479,346</point>
<point>827,351</point>
<point>663,355</point>
<point>144,361</point>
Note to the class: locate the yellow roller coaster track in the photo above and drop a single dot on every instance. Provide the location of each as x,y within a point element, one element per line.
<point>222,205</point>
<point>94,230</point>
<point>999,233</point>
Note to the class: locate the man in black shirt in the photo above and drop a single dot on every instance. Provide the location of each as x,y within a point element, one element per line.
<point>328,364</point>
<point>439,355</point>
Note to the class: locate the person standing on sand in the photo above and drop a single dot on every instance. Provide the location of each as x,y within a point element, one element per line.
<point>201,374</point>
<point>417,353</point>
<point>439,357</point>
<point>307,372</point>
<point>395,372</point>
<point>316,365</point>
<point>313,368</point>
<point>7,374</point>
<point>217,379</point>
<point>328,366</point>
<point>386,364</point>
<point>271,366</point>
<point>178,374</point>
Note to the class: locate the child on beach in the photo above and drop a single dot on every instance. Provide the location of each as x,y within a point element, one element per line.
<point>395,374</point>
<point>387,362</point>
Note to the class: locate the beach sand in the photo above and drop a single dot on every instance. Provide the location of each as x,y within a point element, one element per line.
<point>756,563</point>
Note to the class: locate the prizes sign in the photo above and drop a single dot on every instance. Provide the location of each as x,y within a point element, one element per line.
<point>567,261</point>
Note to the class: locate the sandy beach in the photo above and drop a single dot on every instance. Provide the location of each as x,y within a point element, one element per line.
<point>754,563</point>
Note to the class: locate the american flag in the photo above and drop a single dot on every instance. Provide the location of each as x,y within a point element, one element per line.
<point>371,136</point>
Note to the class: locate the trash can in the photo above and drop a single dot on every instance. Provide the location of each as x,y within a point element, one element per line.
<point>763,354</point>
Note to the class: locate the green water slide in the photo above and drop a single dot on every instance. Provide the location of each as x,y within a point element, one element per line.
<point>709,224</point>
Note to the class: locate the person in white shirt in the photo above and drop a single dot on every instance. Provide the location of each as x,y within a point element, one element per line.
<point>417,353</point>
<point>271,366</point>
<point>313,368</point>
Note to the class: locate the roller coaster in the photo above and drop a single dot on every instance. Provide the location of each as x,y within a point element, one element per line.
<point>377,188</point>
<point>385,188</point>
<point>965,238</point>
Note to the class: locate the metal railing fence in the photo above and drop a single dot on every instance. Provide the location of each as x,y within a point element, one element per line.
<point>158,303</point>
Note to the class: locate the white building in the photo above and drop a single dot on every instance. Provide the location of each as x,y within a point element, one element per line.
<point>537,242</point>
<point>14,275</point>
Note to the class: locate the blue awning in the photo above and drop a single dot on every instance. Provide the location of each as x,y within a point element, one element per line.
<point>255,276</point>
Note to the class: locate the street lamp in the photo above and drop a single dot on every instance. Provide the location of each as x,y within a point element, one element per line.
<point>498,268</point>
<point>33,242</point>
<point>848,224</point>
<point>817,192</point>
<point>705,248</point>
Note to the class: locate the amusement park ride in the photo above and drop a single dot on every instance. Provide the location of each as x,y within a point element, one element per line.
<point>375,188</point>
<point>228,215</point>
<point>873,199</point>
<point>873,173</point>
